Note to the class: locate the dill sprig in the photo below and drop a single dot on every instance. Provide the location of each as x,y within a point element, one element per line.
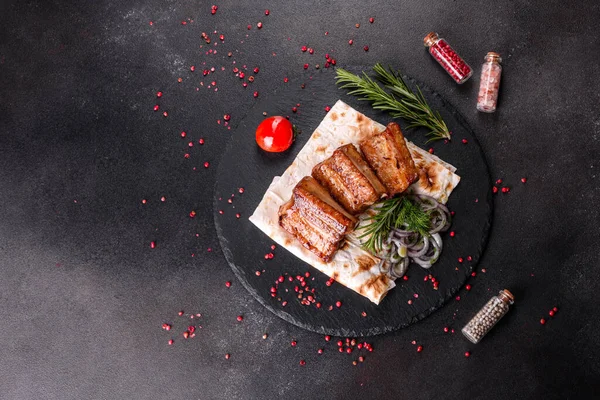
<point>402,102</point>
<point>398,212</point>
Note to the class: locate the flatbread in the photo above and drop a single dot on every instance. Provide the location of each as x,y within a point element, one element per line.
<point>351,266</point>
<point>437,178</point>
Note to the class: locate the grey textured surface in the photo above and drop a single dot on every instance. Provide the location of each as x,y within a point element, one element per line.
<point>82,296</point>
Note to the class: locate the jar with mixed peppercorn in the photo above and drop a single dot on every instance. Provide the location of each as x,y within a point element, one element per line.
<point>456,67</point>
<point>488,316</point>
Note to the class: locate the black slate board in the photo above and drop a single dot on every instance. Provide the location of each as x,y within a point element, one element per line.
<point>245,165</point>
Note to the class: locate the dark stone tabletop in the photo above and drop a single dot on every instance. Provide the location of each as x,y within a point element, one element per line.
<point>85,162</point>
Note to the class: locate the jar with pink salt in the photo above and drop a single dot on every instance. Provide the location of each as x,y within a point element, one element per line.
<point>489,86</point>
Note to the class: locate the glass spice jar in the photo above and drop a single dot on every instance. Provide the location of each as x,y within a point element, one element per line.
<point>489,85</point>
<point>488,316</point>
<point>456,67</point>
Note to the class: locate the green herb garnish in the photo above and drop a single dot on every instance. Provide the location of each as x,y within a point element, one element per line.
<point>402,102</point>
<point>399,212</point>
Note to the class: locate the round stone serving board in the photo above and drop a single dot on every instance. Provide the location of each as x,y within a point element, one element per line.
<point>244,165</point>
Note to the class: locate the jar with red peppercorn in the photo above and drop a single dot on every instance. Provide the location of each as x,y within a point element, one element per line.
<point>491,71</point>
<point>456,67</point>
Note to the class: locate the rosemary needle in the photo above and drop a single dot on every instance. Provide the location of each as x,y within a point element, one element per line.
<point>402,102</point>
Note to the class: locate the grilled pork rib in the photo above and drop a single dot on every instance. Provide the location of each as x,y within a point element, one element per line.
<point>387,154</point>
<point>315,219</point>
<point>348,178</point>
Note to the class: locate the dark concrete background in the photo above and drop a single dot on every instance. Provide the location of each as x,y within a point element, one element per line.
<point>83,297</point>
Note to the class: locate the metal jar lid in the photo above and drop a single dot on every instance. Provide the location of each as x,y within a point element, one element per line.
<point>507,296</point>
<point>493,56</point>
<point>430,38</point>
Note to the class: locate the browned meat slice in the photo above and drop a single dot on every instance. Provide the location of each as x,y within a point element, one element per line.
<point>387,154</point>
<point>315,219</point>
<point>349,179</point>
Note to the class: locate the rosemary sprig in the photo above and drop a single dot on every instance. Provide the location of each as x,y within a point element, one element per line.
<point>397,212</point>
<point>402,102</point>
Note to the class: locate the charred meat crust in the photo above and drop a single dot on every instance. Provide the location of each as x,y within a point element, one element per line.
<point>387,153</point>
<point>349,179</point>
<point>315,219</point>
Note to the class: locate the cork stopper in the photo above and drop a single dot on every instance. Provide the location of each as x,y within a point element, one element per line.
<point>430,39</point>
<point>507,296</point>
<point>493,56</point>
